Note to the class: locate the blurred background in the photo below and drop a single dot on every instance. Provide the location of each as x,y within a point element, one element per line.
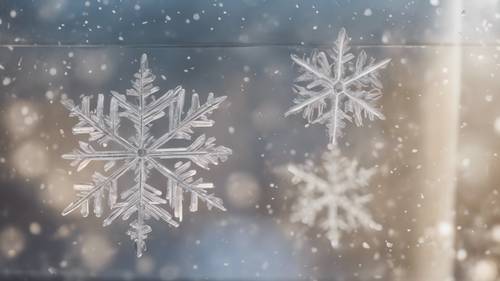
<point>436,193</point>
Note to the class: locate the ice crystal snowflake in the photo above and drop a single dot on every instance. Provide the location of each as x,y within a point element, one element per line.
<point>333,196</point>
<point>332,81</point>
<point>141,153</point>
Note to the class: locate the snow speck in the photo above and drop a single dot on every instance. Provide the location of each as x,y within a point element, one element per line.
<point>484,270</point>
<point>461,254</point>
<point>434,2</point>
<point>495,233</point>
<point>6,81</point>
<point>385,37</point>
<point>196,16</point>
<point>49,95</point>
<point>368,12</point>
<point>466,162</point>
<point>35,228</point>
<point>25,110</point>
<point>53,71</point>
<point>497,125</point>
<point>445,229</point>
<point>13,13</point>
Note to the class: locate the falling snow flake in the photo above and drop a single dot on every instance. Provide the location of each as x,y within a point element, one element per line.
<point>142,153</point>
<point>335,87</point>
<point>332,197</point>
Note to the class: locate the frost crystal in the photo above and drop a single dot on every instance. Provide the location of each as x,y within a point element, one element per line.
<point>142,153</point>
<point>333,88</point>
<point>332,197</point>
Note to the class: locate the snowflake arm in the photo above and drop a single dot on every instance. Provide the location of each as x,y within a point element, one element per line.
<point>142,152</point>
<point>182,178</point>
<point>95,190</point>
<point>336,204</point>
<point>328,94</point>
<point>202,152</point>
<point>94,124</point>
<point>86,154</point>
<point>196,117</point>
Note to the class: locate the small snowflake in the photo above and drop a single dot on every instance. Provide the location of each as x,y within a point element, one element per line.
<point>142,153</point>
<point>332,197</point>
<point>333,89</point>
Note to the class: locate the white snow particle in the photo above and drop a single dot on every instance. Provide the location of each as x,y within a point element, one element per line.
<point>25,110</point>
<point>196,16</point>
<point>49,95</point>
<point>368,12</point>
<point>53,71</point>
<point>497,125</point>
<point>35,228</point>
<point>445,229</point>
<point>461,254</point>
<point>6,81</point>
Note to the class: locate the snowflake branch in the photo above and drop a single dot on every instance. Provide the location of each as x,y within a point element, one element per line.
<point>99,127</point>
<point>99,155</point>
<point>119,172</point>
<point>307,67</point>
<point>340,45</point>
<point>210,199</point>
<point>367,71</point>
<point>88,154</point>
<point>190,119</point>
<point>202,152</point>
<point>306,177</point>
<point>334,121</point>
<point>365,106</point>
<point>155,109</point>
<point>122,101</point>
<point>298,107</point>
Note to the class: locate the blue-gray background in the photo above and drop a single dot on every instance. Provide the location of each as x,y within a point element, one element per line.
<point>240,49</point>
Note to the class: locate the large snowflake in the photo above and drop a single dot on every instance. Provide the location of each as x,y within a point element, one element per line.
<point>333,88</point>
<point>332,197</point>
<point>141,153</point>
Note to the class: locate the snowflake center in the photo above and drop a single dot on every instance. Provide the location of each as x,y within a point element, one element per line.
<point>141,152</point>
<point>338,87</point>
